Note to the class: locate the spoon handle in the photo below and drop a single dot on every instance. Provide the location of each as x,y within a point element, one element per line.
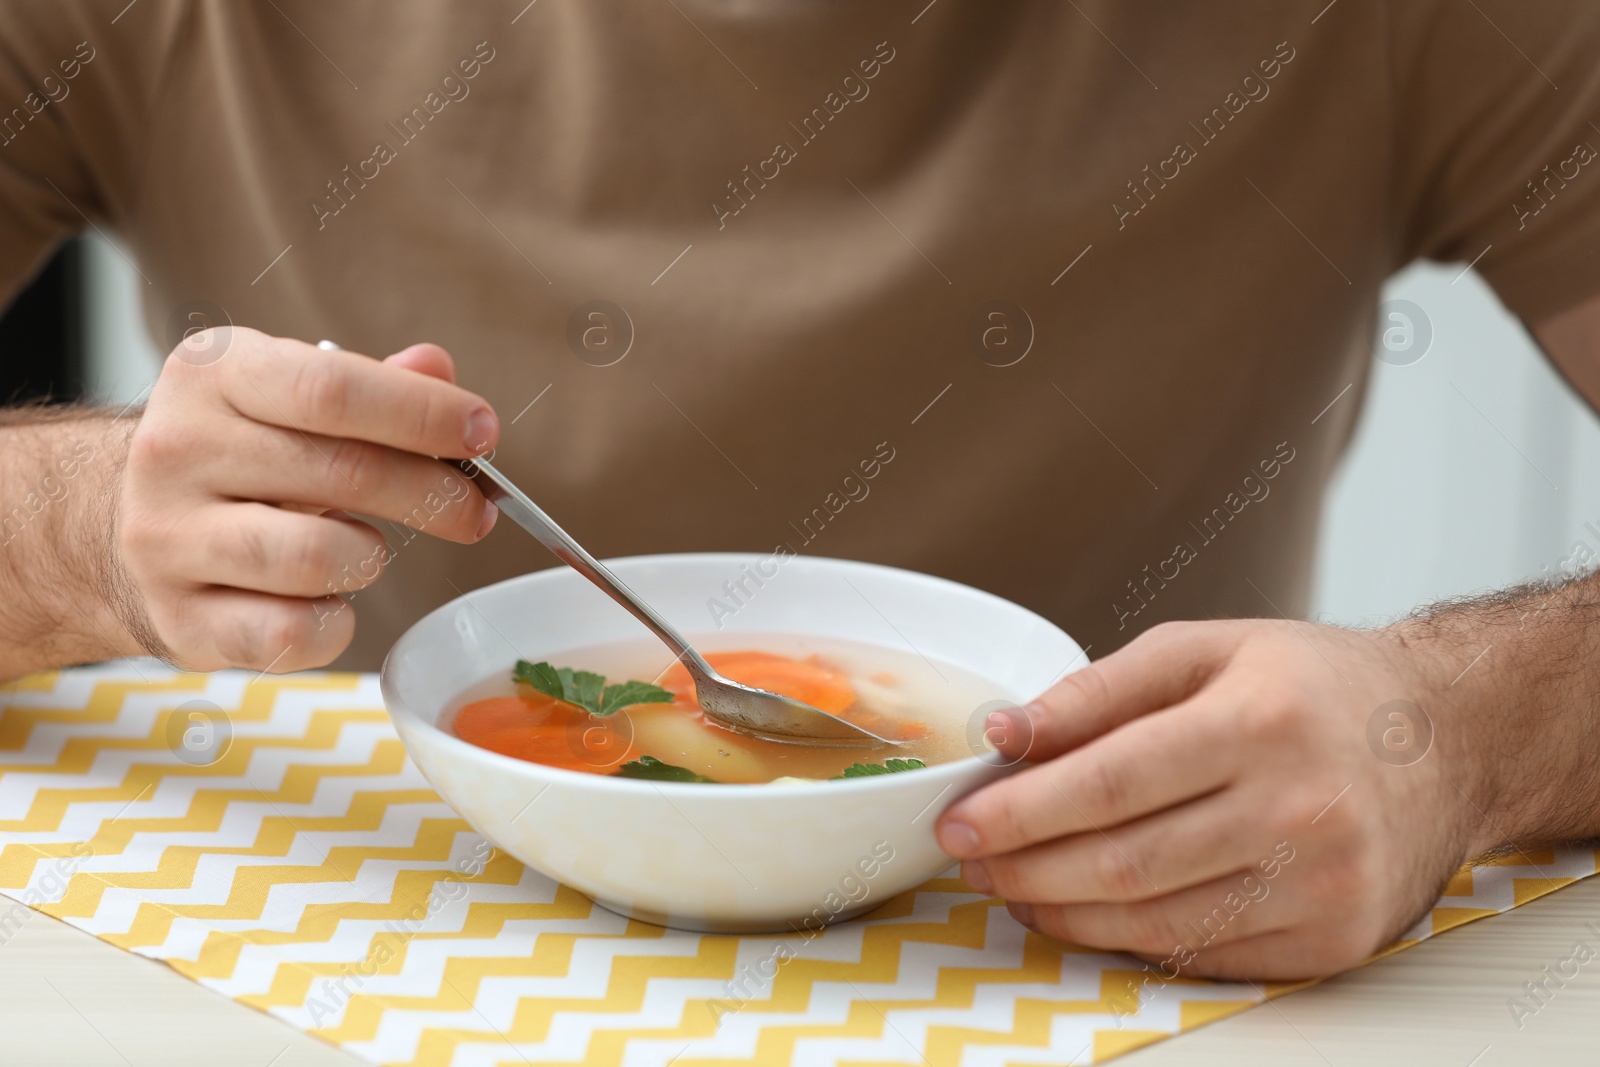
<point>531,517</point>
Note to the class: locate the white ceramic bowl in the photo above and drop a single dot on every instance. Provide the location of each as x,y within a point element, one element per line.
<point>735,858</point>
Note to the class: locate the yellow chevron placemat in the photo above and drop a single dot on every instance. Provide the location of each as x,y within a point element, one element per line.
<point>268,838</point>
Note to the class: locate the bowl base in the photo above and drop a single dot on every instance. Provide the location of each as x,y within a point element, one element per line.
<point>701,924</point>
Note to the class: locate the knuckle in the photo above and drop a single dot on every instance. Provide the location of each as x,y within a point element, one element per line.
<point>199,340</point>
<point>460,506</point>
<point>1105,789</point>
<point>158,444</point>
<point>361,566</point>
<point>373,548</point>
<point>1054,920</point>
<point>280,630</point>
<point>312,559</point>
<point>1296,660</point>
<point>457,488</point>
<point>427,416</point>
<point>355,467</point>
<point>254,555</point>
<point>320,391</point>
<point>1277,716</point>
<point>188,615</point>
<point>329,630</point>
<point>263,635</point>
<point>1117,874</point>
<point>441,515</point>
<point>1150,929</point>
<point>243,337</point>
<point>1087,687</point>
<point>235,644</point>
<point>1166,633</point>
<point>178,618</point>
<point>1293,814</point>
<point>466,506</point>
<point>329,626</point>
<point>1009,882</point>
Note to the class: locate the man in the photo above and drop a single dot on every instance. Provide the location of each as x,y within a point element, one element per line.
<point>1084,283</point>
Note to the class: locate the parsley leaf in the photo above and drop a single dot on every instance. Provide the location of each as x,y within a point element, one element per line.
<point>583,688</point>
<point>541,676</point>
<point>587,690</point>
<point>867,770</point>
<point>653,769</point>
<point>616,697</point>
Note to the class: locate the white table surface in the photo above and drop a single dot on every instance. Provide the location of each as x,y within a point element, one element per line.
<point>67,999</point>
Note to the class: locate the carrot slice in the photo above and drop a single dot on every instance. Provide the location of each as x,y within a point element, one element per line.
<point>542,730</point>
<point>807,680</point>
<point>497,714</point>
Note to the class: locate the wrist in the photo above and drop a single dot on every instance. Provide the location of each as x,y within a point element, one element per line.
<point>1506,683</point>
<point>57,540</point>
<point>1429,660</point>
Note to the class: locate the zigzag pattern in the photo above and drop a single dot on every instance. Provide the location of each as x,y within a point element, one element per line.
<point>312,874</point>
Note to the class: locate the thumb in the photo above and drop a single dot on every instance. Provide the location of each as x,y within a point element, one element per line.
<point>427,359</point>
<point>1156,670</point>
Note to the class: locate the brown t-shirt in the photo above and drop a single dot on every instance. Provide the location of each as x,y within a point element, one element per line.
<point>1071,302</point>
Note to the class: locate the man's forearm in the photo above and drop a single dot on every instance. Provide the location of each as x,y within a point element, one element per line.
<point>59,471</point>
<point>1514,679</point>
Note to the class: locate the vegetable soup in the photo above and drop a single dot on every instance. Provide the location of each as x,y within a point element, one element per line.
<point>592,710</point>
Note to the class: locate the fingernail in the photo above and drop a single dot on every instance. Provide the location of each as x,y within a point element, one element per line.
<point>1023,913</point>
<point>490,513</point>
<point>958,839</point>
<point>480,430</point>
<point>975,876</point>
<point>1006,727</point>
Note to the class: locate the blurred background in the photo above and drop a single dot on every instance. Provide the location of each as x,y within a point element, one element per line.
<point>1474,466</point>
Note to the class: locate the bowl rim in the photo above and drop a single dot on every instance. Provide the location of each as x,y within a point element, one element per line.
<point>955,769</point>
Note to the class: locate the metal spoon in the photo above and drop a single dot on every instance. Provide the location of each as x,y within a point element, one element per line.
<point>732,704</point>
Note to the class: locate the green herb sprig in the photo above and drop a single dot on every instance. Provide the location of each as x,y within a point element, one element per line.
<point>868,770</point>
<point>653,769</point>
<point>586,689</point>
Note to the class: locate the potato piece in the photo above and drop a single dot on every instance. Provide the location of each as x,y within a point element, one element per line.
<point>680,736</point>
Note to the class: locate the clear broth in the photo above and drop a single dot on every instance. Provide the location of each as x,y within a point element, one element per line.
<point>899,685</point>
